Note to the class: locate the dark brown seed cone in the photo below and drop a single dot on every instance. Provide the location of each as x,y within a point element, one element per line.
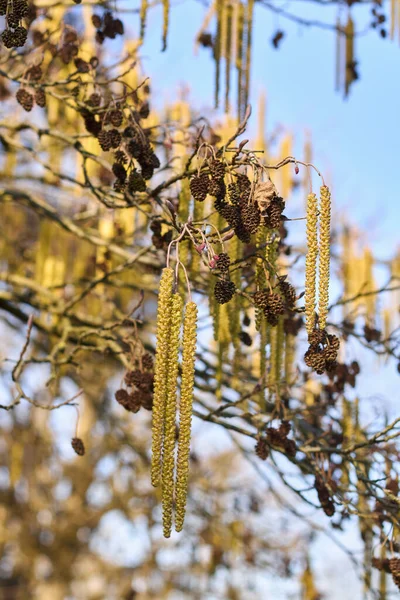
<point>25,99</point>
<point>329,508</point>
<point>251,218</point>
<point>119,171</point>
<point>7,37</point>
<point>81,65</point>
<point>285,428</point>
<point>119,185</point>
<point>147,361</point>
<point>146,400</point>
<point>96,21</point>
<point>333,342</point>
<point>275,437</point>
<point>217,170</point>
<point>330,354</point>
<point>104,140</point>
<point>144,110</point>
<point>142,380</point>
<point>20,36</point>
<point>120,157</point>
<point>317,336</point>
<point>234,194</point>
<point>394,566</point>
<point>223,262</point>
<point>309,355</point>
<point>40,98</point>
<point>78,446</point>
<point>230,214</point>
<point>261,299</point>
<point>199,187</point>
<point>3,7</point>
<point>290,448</point>
<point>244,185</point>
<point>147,171</point>
<point>289,293</point>
<point>34,73</point>
<point>224,291</point>
<point>136,183</point>
<point>20,8</point>
<point>12,20</point>
<point>275,304</point>
<point>116,117</point>
<point>242,233</point>
<point>122,396</point>
<point>245,338</point>
<point>217,188</point>
<point>115,138</point>
<point>382,564</point>
<point>94,100</point>
<point>262,449</point>
<point>272,219</point>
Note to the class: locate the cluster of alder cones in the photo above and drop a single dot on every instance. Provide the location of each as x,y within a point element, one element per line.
<point>389,565</point>
<point>322,352</point>
<point>276,438</point>
<point>140,384</point>
<point>15,34</point>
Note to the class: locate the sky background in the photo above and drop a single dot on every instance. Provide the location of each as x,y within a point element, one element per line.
<point>355,144</point>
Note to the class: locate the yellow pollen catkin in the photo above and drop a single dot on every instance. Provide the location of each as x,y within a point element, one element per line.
<point>160,372</point>
<point>170,414</point>
<point>185,416</point>
<point>311,261</point>
<point>324,255</point>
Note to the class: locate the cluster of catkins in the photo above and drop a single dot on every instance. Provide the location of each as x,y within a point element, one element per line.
<point>276,438</point>
<point>124,135</point>
<point>140,386</point>
<point>323,350</point>
<point>324,496</point>
<point>173,478</point>
<point>15,34</point>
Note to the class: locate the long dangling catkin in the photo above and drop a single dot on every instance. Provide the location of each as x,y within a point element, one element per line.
<point>143,15</point>
<point>165,24</point>
<point>228,53</point>
<point>324,255</point>
<point>239,56</point>
<point>311,261</point>
<point>250,9</point>
<point>160,372</point>
<point>217,51</point>
<point>170,414</point>
<point>185,411</point>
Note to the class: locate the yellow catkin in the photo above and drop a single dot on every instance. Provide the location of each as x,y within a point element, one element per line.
<point>349,55</point>
<point>160,372</point>
<point>311,261</point>
<point>393,10</point>
<point>228,53</point>
<point>165,24</point>
<point>250,9</point>
<point>280,339</point>
<point>217,51</point>
<point>143,14</point>
<point>168,453</point>
<point>290,350</point>
<point>185,411</point>
<point>239,55</point>
<point>324,255</point>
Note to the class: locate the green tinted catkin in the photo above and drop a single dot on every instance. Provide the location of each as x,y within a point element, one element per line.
<point>185,417</point>
<point>311,261</point>
<point>160,371</point>
<point>170,414</point>
<point>324,255</point>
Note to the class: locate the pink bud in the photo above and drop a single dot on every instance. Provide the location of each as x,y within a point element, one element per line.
<point>200,248</point>
<point>212,264</point>
<point>296,170</point>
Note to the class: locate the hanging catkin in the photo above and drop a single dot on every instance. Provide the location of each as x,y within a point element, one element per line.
<point>185,411</point>
<point>160,371</point>
<point>228,52</point>
<point>250,9</point>
<point>165,24</point>
<point>239,55</point>
<point>349,56</point>
<point>143,14</point>
<point>217,51</point>
<point>324,255</point>
<point>170,414</point>
<point>311,261</point>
